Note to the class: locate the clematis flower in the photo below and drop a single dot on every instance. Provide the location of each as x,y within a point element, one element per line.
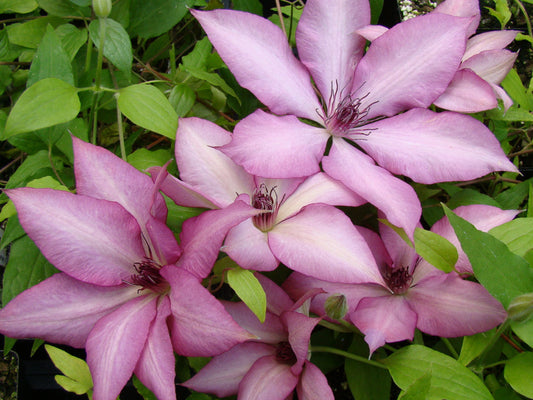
<point>272,366</point>
<point>375,102</point>
<point>315,239</point>
<point>415,294</point>
<point>127,292</point>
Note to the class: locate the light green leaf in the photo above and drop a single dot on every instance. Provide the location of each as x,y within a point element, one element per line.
<point>30,33</point>
<point>147,107</point>
<point>249,290</point>
<point>212,78</point>
<point>48,102</point>
<point>152,18</point>
<point>77,377</point>
<point>419,390</point>
<point>63,8</point>
<point>182,98</point>
<point>524,330</point>
<point>17,6</point>
<point>143,158</point>
<point>473,346</point>
<point>516,234</point>
<point>197,58</point>
<point>72,38</point>
<point>436,250</point>
<point>449,380</point>
<point>504,274</point>
<point>117,44</point>
<point>518,372</point>
<point>514,87</point>
<point>398,230</point>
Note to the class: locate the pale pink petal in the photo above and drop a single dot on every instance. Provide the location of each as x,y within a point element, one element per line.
<point>462,8</point>
<point>200,326</point>
<point>103,175</point>
<point>248,247</point>
<point>313,385</point>
<point>357,171</point>
<point>162,241</point>
<point>208,170</point>
<point>115,345</point>
<point>277,147</point>
<point>431,147</point>
<point>258,54</point>
<point>450,306</point>
<point>376,245</point>
<point>384,319</point>
<point>277,300</point>
<point>284,187</point>
<point>156,366</point>
<point>61,310</point>
<point>372,32</point>
<point>268,379</point>
<point>319,188</point>
<point>92,240</point>
<point>467,93</point>
<point>400,252</point>
<point>491,65</point>
<point>222,375</point>
<point>322,242</point>
<point>493,40</point>
<point>502,94</point>
<point>411,64</point>
<point>327,42</point>
<point>300,327</point>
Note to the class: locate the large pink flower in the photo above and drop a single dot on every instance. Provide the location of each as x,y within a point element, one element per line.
<point>362,101</point>
<point>127,292</point>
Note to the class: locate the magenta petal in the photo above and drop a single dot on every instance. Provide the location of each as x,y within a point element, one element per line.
<point>61,310</point>
<point>258,54</point>
<point>200,326</point>
<point>222,375</point>
<point>322,242</point>
<point>115,345</point>
<point>92,240</point>
<point>268,380</point>
<point>358,172</point>
<point>313,384</point>
<point>300,327</point>
<point>163,242</point>
<point>276,147</point>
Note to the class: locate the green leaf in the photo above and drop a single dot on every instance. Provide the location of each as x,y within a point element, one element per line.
<point>30,33</point>
<point>518,372</point>
<point>376,6</point>
<point>512,198</point>
<point>419,390</point>
<point>212,78</point>
<point>63,8</point>
<point>152,18</point>
<point>143,158</point>
<point>450,380</point>
<point>143,390</point>
<point>473,346</point>
<point>48,102</point>
<point>514,87</point>
<point>504,274</point>
<point>197,58</point>
<point>398,230</point>
<point>249,290</point>
<point>117,44</point>
<point>147,107</point>
<point>524,330</point>
<point>251,6</point>
<point>516,234</point>
<point>502,12</point>
<point>182,98</point>
<point>436,250</point>
<point>76,371</point>
<point>469,196</point>
<point>71,38</point>
<point>177,215</point>
<point>17,6</point>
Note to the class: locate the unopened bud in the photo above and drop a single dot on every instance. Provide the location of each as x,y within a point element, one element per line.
<point>521,308</point>
<point>102,8</point>
<point>336,306</point>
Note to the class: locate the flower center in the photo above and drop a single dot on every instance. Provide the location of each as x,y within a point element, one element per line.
<point>284,353</point>
<point>266,200</point>
<point>398,279</point>
<point>148,276</point>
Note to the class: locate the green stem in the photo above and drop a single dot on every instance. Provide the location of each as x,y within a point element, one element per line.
<point>100,59</point>
<point>528,22</point>
<point>334,326</point>
<point>355,357</point>
<point>450,347</point>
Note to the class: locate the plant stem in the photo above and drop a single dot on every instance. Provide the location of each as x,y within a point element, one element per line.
<point>528,22</point>
<point>450,347</point>
<point>280,15</point>
<point>355,357</point>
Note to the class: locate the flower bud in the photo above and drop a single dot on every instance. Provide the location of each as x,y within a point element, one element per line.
<point>102,8</point>
<point>521,308</point>
<point>336,306</point>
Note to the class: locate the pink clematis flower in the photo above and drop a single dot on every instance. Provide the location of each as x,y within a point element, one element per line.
<point>315,239</point>
<point>127,292</point>
<point>272,366</point>
<point>362,101</point>
<point>415,294</point>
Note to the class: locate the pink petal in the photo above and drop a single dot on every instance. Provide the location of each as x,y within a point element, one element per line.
<point>277,300</point>
<point>321,242</point>
<point>327,44</point>
<point>277,147</point>
<point>502,94</point>
<point>208,170</point>
<point>372,32</point>
<point>268,380</point>
<point>258,54</point>
<point>162,240</point>
<point>116,343</point>
<point>434,147</point>
<point>491,65</point>
<point>222,375</point>
<point>449,306</point>
<point>462,8</point>
<point>93,240</point>
<point>467,93</point>
<point>61,310</point>
<point>401,253</point>
<point>200,326</point>
<point>357,171</point>
<point>376,245</point>
<point>411,64</point>
<point>493,40</point>
<point>156,366</point>
<point>313,384</point>
<point>248,247</point>
<point>300,327</point>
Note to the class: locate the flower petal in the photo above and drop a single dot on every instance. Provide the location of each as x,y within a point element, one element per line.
<point>327,43</point>
<point>92,240</point>
<point>313,384</point>
<point>431,147</point>
<point>258,54</point>
<point>162,240</point>
<point>61,309</point>
<point>462,8</point>
<point>493,40</point>
<point>321,241</point>
<point>299,327</point>
<point>491,65</point>
<point>115,345</point>
<point>277,300</point>
<point>276,147</point>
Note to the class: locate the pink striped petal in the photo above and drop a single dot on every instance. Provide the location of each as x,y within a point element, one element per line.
<point>300,327</point>
<point>493,40</point>
<point>277,300</point>
<point>313,384</point>
<point>372,32</point>
<point>162,240</point>
<point>258,54</point>
<point>400,252</point>
<point>462,8</point>
<point>491,65</point>
<point>502,94</point>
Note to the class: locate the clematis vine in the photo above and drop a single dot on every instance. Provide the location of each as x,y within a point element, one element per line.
<point>127,292</point>
<point>415,294</point>
<point>272,366</point>
<point>371,106</point>
<point>298,224</point>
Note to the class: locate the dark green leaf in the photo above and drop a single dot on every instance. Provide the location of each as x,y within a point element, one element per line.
<point>182,98</point>
<point>376,6</point>
<point>251,6</point>
<point>512,198</point>
<point>64,8</point>
<point>71,38</point>
<point>470,196</point>
<point>152,18</point>
<point>518,372</point>
<point>117,44</point>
